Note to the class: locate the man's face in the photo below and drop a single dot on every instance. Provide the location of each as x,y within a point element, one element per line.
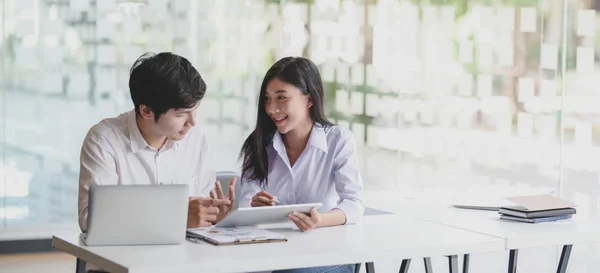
<point>176,123</point>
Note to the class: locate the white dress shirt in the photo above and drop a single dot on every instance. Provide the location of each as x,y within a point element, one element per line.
<point>325,172</point>
<point>115,153</point>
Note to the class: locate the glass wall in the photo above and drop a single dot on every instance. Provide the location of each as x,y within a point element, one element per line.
<point>441,93</point>
<point>581,127</point>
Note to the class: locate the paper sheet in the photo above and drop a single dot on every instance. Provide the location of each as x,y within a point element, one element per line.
<point>526,89</point>
<point>549,56</point>
<point>586,22</point>
<point>484,85</point>
<point>528,20</point>
<point>585,60</point>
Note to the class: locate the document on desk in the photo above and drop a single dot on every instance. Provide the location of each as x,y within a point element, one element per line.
<point>235,235</point>
<point>540,202</point>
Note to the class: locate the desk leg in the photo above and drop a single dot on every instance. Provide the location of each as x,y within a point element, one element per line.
<point>370,267</point>
<point>427,262</point>
<point>512,260</point>
<point>404,266</point>
<point>453,263</point>
<point>564,259</point>
<point>466,259</point>
<point>80,266</point>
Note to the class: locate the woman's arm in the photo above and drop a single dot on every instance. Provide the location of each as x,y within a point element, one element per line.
<point>348,184</point>
<point>249,188</point>
<point>335,217</point>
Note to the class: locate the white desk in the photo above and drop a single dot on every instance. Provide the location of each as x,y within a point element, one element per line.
<point>376,238</point>
<point>435,206</point>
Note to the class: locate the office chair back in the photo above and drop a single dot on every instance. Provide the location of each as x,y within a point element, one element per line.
<point>224,178</point>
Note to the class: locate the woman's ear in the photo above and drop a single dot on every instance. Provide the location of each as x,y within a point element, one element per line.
<point>310,103</point>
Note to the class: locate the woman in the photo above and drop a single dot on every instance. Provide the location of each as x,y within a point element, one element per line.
<point>295,155</point>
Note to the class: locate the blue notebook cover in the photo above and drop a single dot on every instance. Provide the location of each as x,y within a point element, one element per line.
<point>535,220</point>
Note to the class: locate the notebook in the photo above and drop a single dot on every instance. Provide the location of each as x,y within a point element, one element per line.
<point>539,202</point>
<point>534,220</point>
<point>515,211</point>
<point>235,235</point>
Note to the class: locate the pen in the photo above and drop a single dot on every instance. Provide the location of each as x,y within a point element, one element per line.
<point>276,201</point>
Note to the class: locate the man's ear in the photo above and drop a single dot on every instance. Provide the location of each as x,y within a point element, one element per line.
<point>146,112</point>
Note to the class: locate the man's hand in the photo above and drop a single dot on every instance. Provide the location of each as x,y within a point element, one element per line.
<point>263,198</point>
<point>203,212</point>
<point>306,222</point>
<point>224,208</point>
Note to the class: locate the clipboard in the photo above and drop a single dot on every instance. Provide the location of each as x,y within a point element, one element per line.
<point>234,236</point>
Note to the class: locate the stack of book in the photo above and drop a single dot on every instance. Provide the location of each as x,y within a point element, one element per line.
<point>520,214</point>
<point>537,209</point>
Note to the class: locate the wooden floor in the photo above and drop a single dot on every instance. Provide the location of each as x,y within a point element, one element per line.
<point>55,262</point>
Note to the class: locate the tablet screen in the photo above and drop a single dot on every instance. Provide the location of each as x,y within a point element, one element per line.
<point>250,216</point>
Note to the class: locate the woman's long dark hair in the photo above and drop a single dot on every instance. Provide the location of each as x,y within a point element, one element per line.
<point>300,72</point>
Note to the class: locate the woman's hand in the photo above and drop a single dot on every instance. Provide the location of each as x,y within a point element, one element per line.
<point>263,198</point>
<point>306,222</point>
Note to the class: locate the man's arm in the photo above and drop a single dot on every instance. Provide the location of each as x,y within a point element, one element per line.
<point>97,167</point>
<point>208,205</point>
<point>205,171</point>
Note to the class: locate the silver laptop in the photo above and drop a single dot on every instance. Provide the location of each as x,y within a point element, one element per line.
<point>137,215</point>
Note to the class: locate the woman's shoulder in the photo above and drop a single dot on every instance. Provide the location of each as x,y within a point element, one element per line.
<point>336,132</point>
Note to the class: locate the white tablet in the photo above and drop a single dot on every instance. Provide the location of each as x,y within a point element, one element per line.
<point>251,216</point>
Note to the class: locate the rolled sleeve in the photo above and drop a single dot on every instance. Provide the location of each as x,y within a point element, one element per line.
<point>97,167</point>
<point>349,182</point>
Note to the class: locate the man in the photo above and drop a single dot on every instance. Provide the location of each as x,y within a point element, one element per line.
<point>156,143</point>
